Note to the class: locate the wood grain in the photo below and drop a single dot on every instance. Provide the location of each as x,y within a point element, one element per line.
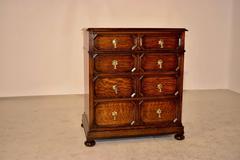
<point>140,48</point>
<point>150,41</point>
<point>103,63</point>
<point>104,42</point>
<point>125,113</point>
<point>149,109</point>
<point>149,62</point>
<point>149,86</point>
<point>104,87</point>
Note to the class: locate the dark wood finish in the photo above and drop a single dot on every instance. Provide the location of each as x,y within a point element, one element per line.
<point>90,143</point>
<point>134,132</point>
<point>104,87</point>
<point>104,63</point>
<point>150,115</point>
<point>104,42</point>
<point>125,113</point>
<point>149,62</point>
<point>122,77</point>
<point>137,30</point>
<point>151,41</point>
<point>149,86</point>
<point>179,136</point>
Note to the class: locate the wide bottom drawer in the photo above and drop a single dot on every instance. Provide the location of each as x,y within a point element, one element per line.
<point>114,114</point>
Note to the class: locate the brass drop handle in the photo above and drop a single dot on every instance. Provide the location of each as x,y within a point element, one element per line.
<point>159,111</point>
<point>161,43</point>
<point>159,87</point>
<point>114,115</point>
<point>114,42</point>
<point>115,88</point>
<point>160,63</point>
<point>114,63</point>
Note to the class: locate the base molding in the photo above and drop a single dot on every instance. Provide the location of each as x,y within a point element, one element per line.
<point>91,135</point>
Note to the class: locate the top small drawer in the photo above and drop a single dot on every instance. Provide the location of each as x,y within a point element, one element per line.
<point>159,41</point>
<point>115,42</point>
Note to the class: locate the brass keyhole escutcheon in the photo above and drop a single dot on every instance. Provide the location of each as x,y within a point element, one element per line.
<point>159,87</point>
<point>114,42</point>
<point>114,115</point>
<point>161,43</point>
<point>160,63</point>
<point>114,63</point>
<point>115,89</point>
<point>159,111</point>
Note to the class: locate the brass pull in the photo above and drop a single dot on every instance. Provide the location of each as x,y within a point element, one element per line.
<point>114,42</point>
<point>115,89</point>
<point>159,87</point>
<point>159,111</point>
<point>114,63</point>
<point>161,43</point>
<point>160,62</point>
<point>114,115</point>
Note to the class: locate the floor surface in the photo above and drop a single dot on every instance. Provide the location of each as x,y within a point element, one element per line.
<point>48,128</point>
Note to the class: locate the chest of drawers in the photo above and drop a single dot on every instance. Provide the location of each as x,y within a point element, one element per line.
<point>134,82</point>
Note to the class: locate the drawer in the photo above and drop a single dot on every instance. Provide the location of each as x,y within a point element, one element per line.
<point>158,86</point>
<point>119,113</point>
<point>112,42</point>
<point>158,62</point>
<point>114,63</point>
<point>160,41</point>
<point>159,112</point>
<point>114,87</point>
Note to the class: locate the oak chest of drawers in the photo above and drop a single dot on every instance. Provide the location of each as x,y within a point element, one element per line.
<point>134,82</point>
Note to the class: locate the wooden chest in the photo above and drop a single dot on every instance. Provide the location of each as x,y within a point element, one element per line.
<point>134,82</point>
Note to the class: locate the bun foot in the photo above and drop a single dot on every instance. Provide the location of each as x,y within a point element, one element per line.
<point>179,136</point>
<point>82,125</point>
<point>89,143</point>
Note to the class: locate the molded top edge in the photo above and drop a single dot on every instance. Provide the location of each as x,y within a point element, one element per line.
<point>135,29</point>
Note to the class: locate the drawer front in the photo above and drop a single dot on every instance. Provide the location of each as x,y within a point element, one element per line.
<point>114,63</point>
<point>160,41</point>
<point>111,42</point>
<point>158,62</point>
<point>114,87</point>
<point>115,113</point>
<point>158,112</point>
<point>158,86</point>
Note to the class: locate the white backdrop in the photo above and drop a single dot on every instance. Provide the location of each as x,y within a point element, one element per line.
<point>41,43</point>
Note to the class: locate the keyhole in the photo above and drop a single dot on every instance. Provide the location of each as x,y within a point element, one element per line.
<point>160,62</point>
<point>159,111</point>
<point>160,42</point>
<point>114,63</point>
